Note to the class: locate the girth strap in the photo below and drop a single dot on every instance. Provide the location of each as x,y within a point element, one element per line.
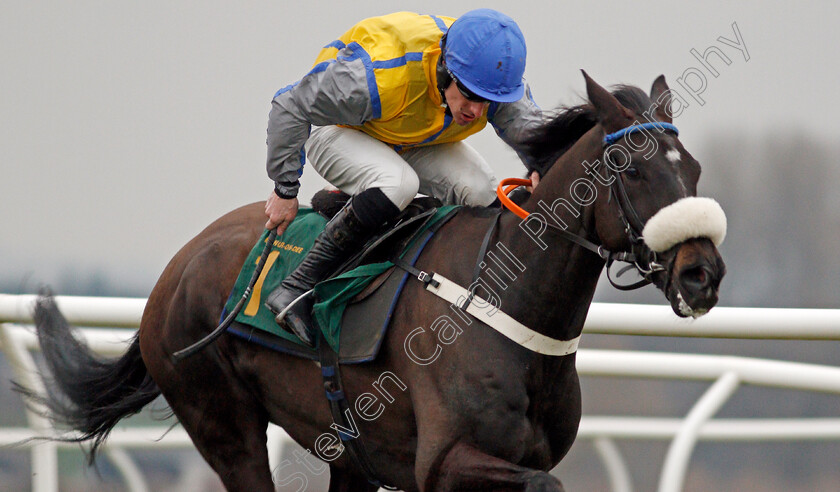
<point>340,408</point>
<point>337,398</point>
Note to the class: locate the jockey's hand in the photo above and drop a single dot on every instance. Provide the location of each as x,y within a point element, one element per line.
<point>535,180</point>
<point>280,212</point>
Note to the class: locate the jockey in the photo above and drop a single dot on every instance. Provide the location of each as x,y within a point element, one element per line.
<point>381,116</point>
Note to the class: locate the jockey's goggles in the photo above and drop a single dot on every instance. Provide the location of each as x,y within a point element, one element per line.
<point>468,94</point>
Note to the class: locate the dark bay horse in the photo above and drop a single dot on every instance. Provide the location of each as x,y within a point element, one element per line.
<point>449,404</point>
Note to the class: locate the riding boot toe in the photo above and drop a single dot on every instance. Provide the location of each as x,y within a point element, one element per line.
<point>281,297</point>
<point>298,322</point>
<point>300,327</point>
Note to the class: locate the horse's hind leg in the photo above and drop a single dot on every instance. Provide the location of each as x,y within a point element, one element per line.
<point>224,420</point>
<point>227,428</point>
<point>345,481</point>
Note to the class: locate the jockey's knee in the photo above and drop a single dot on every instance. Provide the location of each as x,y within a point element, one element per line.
<point>401,188</point>
<point>475,190</point>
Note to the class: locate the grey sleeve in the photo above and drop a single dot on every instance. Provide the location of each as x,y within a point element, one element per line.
<point>334,92</point>
<point>514,121</point>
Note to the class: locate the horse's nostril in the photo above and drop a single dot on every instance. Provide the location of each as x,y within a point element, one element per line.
<point>696,277</point>
<point>701,277</point>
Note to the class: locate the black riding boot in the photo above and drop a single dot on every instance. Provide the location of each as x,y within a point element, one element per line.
<point>343,236</point>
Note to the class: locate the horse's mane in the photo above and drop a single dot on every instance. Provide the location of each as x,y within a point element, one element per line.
<point>546,143</point>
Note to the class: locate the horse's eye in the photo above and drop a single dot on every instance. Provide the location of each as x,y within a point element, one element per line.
<point>632,172</point>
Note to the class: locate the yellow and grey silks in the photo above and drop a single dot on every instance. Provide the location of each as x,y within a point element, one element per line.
<point>379,77</point>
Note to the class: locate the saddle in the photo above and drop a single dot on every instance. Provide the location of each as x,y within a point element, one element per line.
<point>363,317</point>
<point>355,320</point>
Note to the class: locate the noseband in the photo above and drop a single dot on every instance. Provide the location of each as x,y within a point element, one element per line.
<point>640,256</point>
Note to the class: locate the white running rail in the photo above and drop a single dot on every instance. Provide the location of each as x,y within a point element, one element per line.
<point>726,374</point>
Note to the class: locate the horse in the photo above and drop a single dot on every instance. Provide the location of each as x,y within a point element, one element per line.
<point>457,406</point>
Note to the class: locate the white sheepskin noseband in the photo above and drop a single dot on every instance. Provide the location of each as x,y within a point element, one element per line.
<point>685,219</point>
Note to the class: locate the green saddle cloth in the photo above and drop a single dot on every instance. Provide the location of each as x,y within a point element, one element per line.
<point>286,254</point>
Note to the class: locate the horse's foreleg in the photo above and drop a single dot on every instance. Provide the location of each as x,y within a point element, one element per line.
<point>465,468</point>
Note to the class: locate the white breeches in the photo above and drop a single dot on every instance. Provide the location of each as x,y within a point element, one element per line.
<point>353,161</point>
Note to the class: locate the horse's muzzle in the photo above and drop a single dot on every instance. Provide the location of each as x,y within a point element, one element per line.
<point>695,274</point>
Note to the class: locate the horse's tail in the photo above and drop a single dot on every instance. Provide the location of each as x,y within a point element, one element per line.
<point>87,393</point>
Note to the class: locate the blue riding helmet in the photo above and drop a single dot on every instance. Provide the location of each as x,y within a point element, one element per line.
<point>485,51</point>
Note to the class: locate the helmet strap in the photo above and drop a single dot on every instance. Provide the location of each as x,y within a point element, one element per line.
<point>444,77</point>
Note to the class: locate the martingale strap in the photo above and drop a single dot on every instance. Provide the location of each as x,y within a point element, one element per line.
<point>482,251</point>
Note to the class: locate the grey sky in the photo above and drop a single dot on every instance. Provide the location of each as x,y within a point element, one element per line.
<point>127,127</point>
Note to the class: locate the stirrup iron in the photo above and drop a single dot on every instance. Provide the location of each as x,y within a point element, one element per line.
<point>282,314</point>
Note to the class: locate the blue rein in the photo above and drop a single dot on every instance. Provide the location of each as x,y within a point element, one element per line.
<point>612,138</point>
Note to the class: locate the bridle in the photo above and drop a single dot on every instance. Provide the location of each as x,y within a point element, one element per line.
<point>640,257</point>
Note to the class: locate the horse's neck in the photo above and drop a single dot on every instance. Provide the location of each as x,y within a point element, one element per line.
<point>557,182</point>
<point>559,277</point>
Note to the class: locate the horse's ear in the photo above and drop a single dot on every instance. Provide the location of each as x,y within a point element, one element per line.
<point>611,114</point>
<point>660,94</point>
